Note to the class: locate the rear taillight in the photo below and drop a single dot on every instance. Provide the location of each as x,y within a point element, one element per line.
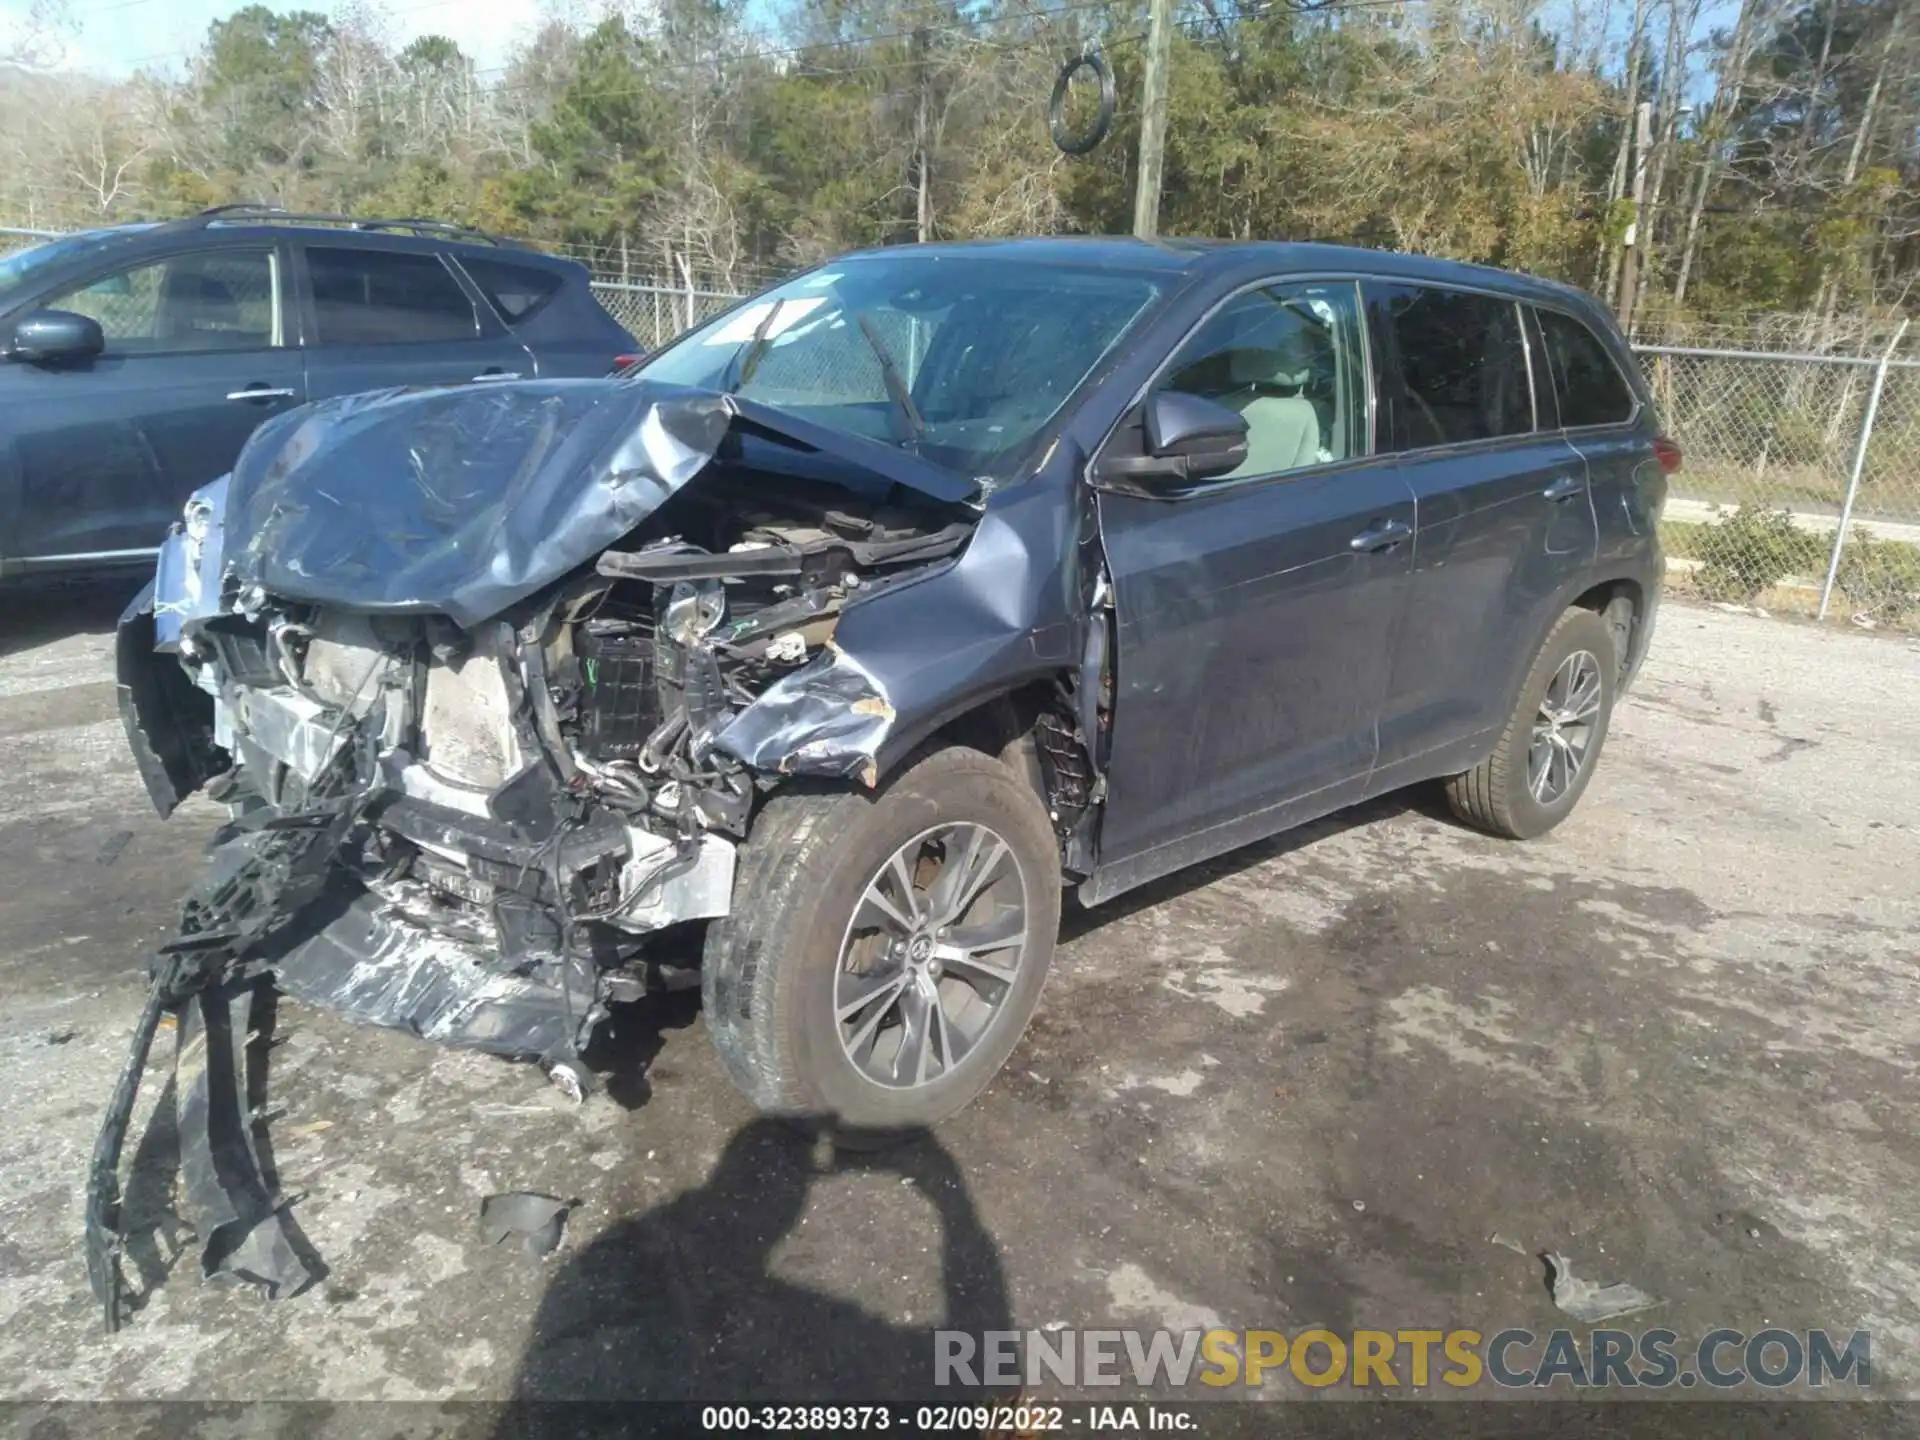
<point>626,362</point>
<point>1667,452</point>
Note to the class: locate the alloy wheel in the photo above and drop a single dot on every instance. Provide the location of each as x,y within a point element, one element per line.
<point>932,952</point>
<point>1563,727</point>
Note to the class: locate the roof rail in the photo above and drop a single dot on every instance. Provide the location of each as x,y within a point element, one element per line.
<point>274,215</point>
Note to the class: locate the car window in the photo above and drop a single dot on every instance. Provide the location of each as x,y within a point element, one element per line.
<point>515,290</point>
<point>212,300</point>
<point>833,364</point>
<point>1463,366</point>
<point>985,352</point>
<point>1586,382</point>
<point>386,297</point>
<point>1289,359</point>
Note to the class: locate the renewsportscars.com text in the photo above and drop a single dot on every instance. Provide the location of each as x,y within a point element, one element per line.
<point>1385,1359</point>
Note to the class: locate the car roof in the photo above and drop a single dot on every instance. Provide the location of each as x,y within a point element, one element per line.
<point>383,234</point>
<point>1232,261</point>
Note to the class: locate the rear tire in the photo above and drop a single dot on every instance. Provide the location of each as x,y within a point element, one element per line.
<point>1545,756</point>
<point>842,895</point>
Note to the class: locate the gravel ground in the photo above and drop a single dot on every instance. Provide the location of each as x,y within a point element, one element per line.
<point>1675,1041</point>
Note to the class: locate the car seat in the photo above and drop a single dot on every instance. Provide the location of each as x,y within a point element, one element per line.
<point>195,306</point>
<point>1283,428</point>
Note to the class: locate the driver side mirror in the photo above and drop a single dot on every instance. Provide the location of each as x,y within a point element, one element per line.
<point>1187,438</point>
<point>55,337</point>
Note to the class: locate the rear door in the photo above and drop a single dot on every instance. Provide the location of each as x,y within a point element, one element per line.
<point>198,353</point>
<point>1256,611</point>
<point>380,317</point>
<point>1505,517</point>
<point>550,307</point>
<point>1584,392</point>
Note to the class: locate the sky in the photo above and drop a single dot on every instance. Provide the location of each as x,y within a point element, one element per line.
<point>117,37</point>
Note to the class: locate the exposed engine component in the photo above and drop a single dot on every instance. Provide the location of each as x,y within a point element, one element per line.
<point>541,790</point>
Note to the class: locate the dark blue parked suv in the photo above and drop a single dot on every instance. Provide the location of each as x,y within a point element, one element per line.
<point>138,359</point>
<point>854,627</point>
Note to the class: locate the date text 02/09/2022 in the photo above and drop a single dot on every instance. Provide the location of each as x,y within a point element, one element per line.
<point>978,1419</point>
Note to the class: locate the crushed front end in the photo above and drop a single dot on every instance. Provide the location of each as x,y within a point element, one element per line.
<point>486,685</point>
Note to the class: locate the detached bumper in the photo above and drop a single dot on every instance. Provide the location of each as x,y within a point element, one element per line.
<point>369,965</point>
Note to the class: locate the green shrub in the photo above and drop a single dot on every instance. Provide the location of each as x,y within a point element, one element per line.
<point>1682,538</point>
<point>1751,551</point>
<point>1880,576</point>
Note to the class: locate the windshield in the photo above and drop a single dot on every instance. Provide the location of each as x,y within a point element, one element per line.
<point>962,359</point>
<point>21,268</point>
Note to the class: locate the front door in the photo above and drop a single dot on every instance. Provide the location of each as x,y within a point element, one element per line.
<point>109,450</point>
<point>1256,612</point>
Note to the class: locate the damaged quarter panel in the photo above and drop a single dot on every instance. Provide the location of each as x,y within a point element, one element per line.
<point>915,653</point>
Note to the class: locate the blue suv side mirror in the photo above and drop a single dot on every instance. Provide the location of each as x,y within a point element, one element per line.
<point>54,337</point>
<point>1188,438</point>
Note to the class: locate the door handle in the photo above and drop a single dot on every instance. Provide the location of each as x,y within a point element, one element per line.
<point>498,375</point>
<point>260,392</point>
<point>1564,487</point>
<point>1383,536</point>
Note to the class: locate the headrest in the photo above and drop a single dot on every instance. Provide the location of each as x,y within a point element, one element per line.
<point>1275,348</point>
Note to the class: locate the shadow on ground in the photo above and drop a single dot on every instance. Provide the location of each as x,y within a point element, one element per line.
<point>34,614</point>
<point>681,1302</point>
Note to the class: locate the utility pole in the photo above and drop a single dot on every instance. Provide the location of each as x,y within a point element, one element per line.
<point>1630,246</point>
<point>1153,121</point>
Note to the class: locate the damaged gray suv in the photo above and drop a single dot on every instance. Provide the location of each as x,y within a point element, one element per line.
<point>864,621</point>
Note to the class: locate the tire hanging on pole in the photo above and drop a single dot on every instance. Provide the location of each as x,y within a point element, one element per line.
<point>1065,139</point>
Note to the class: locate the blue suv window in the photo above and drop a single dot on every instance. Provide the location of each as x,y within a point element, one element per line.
<point>212,300</point>
<point>386,297</point>
<point>1463,366</point>
<point>515,290</point>
<point>1589,386</point>
<point>1289,359</point>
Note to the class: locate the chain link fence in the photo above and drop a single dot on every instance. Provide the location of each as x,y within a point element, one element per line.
<point>1801,487</point>
<point>655,313</point>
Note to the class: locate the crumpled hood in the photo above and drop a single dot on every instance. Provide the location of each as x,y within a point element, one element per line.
<point>462,501</point>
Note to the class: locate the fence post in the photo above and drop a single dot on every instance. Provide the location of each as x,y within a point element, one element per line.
<point>1859,465</point>
<point>686,275</point>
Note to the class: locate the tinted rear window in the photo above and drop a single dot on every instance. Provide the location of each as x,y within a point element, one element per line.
<point>386,297</point>
<point>1462,364</point>
<point>515,290</point>
<point>1588,385</point>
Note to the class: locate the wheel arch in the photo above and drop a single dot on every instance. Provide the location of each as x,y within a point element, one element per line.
<point>1599,594</point>
<point>1624,604</point>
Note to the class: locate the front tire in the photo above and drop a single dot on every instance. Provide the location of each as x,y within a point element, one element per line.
<point>1545,756</point>
<point>885,951</point>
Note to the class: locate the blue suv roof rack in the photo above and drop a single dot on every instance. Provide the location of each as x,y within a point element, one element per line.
<point>274,215</point>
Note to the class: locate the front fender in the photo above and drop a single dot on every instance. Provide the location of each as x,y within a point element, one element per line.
<point>918,653</point>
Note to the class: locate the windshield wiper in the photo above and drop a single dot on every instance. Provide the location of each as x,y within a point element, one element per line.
<point>907,411</point>
<point>747,358</point>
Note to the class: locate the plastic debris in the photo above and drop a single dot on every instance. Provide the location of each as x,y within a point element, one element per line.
<point>536,1220</point>
<point>1588,1302</point>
